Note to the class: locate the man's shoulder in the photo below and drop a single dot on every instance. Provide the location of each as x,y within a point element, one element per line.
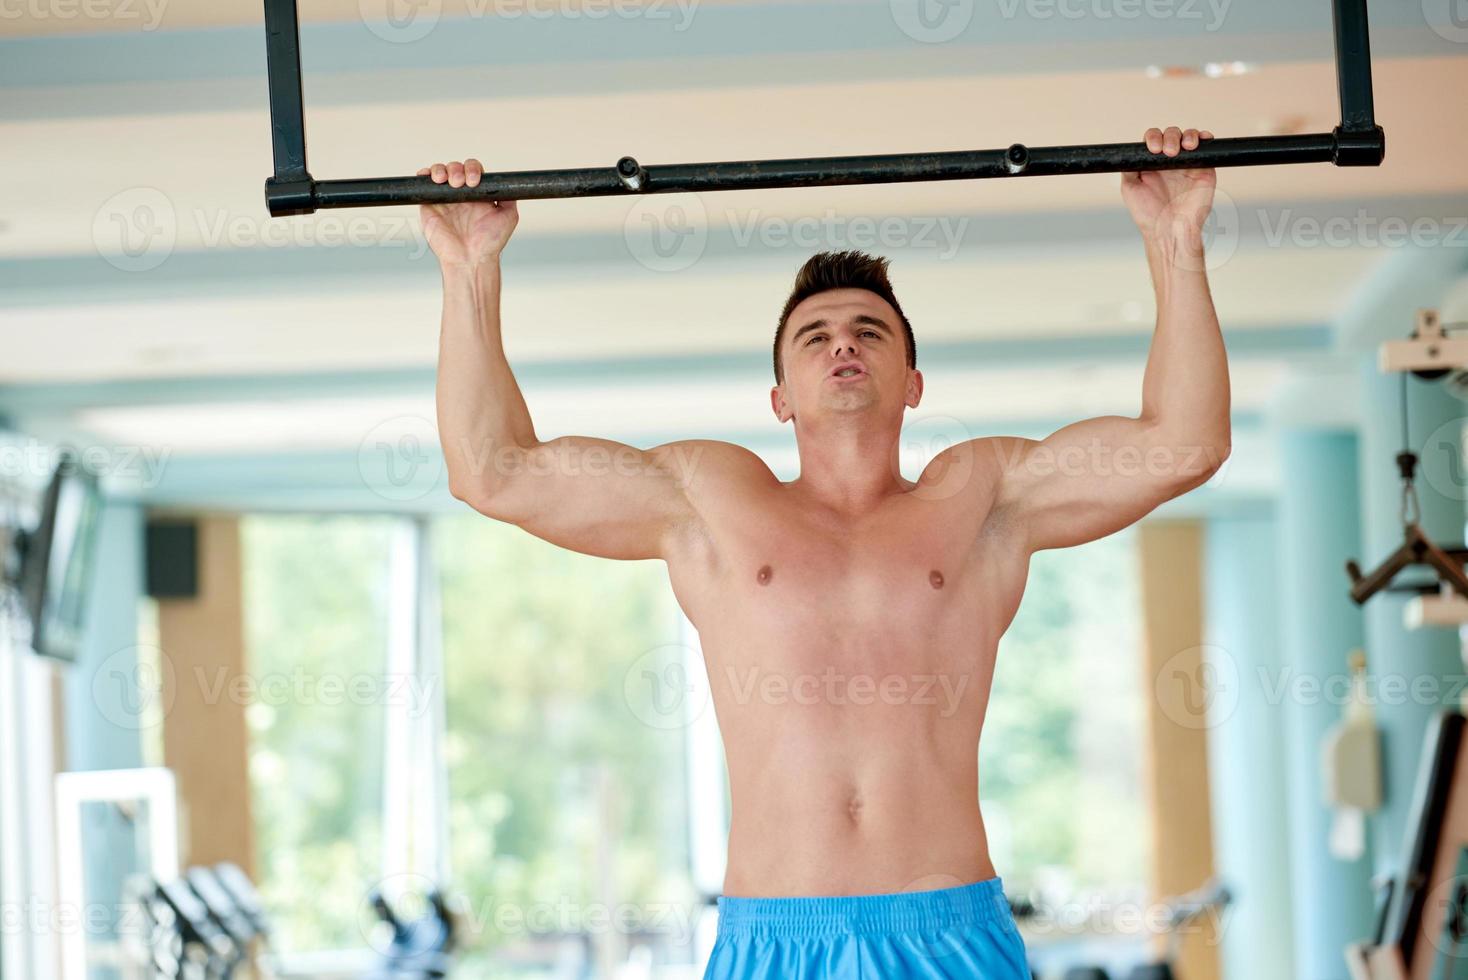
<point>972,466</point>
<point>699,462</point>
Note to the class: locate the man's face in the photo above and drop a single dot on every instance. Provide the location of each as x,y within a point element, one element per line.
<point>844,351</point>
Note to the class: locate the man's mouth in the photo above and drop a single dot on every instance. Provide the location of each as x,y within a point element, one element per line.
<point>850,371</point>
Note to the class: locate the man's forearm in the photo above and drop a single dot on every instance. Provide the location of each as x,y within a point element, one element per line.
<point>481,411</point>
<point>1185,391</point>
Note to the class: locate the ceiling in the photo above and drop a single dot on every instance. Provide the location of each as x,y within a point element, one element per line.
<point>147,298</point>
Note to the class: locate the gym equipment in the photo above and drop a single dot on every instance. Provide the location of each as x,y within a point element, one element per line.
<point>209,923</point>
<point>420,947</point>
<point>237,885</point>
<point>1422,925</point>
<point>1356,142</point>
<point>51,567</point>
<point>1429,354</point>
<point>1182,911</point>
<point>226,913</point>
<point>180,938</point>
<point>1350,755</point>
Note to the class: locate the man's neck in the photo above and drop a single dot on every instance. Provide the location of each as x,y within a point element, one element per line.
<point>849,464</point>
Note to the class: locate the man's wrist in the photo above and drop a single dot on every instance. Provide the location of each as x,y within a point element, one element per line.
<point>1175,248</point>
<point>470,271</point>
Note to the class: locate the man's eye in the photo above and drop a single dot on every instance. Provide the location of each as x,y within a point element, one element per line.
<point>869,333</point>
<point>815,338</point>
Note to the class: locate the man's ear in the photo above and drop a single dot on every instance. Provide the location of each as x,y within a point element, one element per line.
<point>914,388</point>
<point>778,403</point>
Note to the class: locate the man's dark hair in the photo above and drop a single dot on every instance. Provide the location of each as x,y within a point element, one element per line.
<point>825,271</point>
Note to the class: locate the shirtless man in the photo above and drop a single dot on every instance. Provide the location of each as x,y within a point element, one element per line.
<point>850,618</point>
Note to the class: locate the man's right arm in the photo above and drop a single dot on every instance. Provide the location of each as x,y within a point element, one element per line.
<point>590,495</point>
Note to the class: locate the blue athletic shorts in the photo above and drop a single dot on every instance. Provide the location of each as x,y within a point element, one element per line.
<point>949,933</point>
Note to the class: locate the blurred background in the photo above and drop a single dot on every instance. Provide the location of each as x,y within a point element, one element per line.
<point>247,629</point>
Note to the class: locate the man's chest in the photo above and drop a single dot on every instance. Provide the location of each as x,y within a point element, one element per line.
<point>916,566</point>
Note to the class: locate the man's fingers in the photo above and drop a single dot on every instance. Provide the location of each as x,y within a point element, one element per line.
<point>473,170</point>
<point>422,171</point>
<point>1171,141</point>
<point>1153,139</point>
<point>456,174</point>
<point>440,173</point>
<point>1190,139</point>
<point>1206,135</point>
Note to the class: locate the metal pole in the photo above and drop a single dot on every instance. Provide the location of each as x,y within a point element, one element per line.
<point>289,190</point>
<point>1358,141</point>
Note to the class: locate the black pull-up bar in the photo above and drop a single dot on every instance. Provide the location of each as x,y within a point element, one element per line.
<point>1356,142</point>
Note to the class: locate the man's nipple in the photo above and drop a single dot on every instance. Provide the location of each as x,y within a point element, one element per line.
<point>935,579</point>
<point>764,575</point>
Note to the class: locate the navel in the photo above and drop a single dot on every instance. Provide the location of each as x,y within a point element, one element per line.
<point>764,575</point>
<point>935,579</point>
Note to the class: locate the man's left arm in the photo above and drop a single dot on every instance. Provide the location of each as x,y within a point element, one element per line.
<point>1095,477</point>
